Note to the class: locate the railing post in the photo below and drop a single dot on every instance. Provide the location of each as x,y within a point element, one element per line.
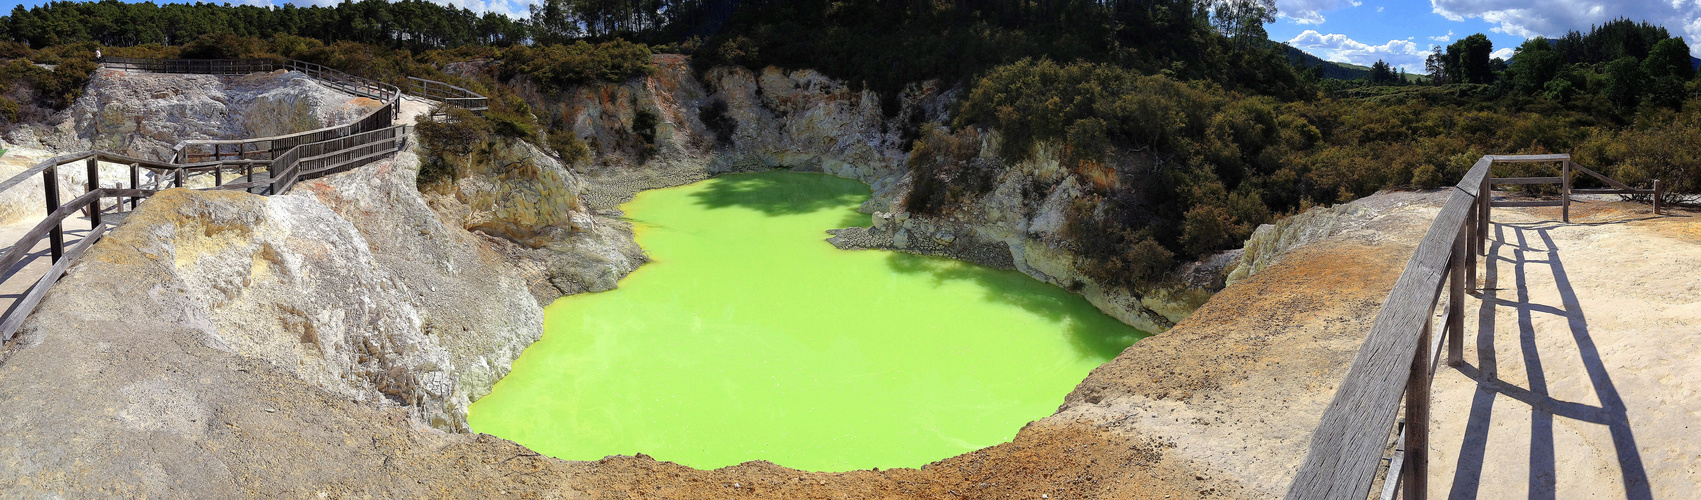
<point>1456,297</point>
<point>135,183</point>
<point>1659,194</point>
<point>55,237</point>
<point>179,179</point>
<point>94,185</point>
<point>1565,191</point>
<point>218,176</point>
<point>1415,474</point>
<point>1485,198</point>
<point>1470,237</point>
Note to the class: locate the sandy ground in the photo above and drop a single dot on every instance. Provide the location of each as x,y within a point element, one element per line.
<point>1582,361</point>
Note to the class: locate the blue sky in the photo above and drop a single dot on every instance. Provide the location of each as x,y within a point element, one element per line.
<point>1402,31</point>
<point>1363,31</point>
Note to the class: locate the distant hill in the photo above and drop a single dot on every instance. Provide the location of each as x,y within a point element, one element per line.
<point>1335,70</point>
<point>1331,69</point>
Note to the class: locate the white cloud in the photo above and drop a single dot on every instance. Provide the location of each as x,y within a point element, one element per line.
<point>1443,38</point>
<point>1553,18</point>
<point>1503,53</point>
<point>1311,11</point>
<point>1341,48</point>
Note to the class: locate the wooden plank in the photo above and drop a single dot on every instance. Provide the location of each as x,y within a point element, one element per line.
<point>1456,278</point>
<point>92,184</point>
<point>41,229</point>
<point>1608,180</point>
<point>1612,191</point>
<point>1565,192</point>
<point>135,183</point>
<point>1554,203</point>
<point>1484,199</point>
<point>56,233</point>
<point>1471,249</point>
<point>40,166</point>
<point>1529,158</point>
<point>1396,465</point>
<point>1659,196</point>
<point>1416,472</point>
<point>113,193</point>
<point>27,305</point>
<point>1342,458</point>
<point>1527,180</point>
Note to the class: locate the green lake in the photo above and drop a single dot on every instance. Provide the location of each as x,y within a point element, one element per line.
<point>750,338</point>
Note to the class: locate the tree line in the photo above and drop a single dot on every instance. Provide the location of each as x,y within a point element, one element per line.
<point>414,24</point>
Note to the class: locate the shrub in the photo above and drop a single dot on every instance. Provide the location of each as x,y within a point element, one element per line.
<point>9,109</point>
<point>563,66</point>
<point>947,170</point>
<point>569,147</point>
<point>644,124</point>
<point>721,124</point>
<point>443,143</point>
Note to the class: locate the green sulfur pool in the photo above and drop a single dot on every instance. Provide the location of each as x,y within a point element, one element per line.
<point>750,338</point>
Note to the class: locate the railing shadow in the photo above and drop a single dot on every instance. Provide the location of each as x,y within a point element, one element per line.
<point>1543,407</point>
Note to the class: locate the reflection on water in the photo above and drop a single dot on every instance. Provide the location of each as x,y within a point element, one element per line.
<point>750,338</point>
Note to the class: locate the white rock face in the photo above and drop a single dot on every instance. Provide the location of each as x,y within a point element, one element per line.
<point>279,278</point>
<point>1271,241</point>
<point>473,303</point>
<point>145,114</point>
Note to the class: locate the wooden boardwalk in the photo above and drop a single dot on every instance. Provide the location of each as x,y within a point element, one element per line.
<point>1393,368</point>
<point>265,165</point>
<point>1579,365</point>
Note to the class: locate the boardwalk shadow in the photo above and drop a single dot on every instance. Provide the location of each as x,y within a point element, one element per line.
<point>1527,257</point>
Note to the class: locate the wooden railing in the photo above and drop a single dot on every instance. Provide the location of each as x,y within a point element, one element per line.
<point>301,162</point>
<point>1566,167</point>
<point>447,94</point>
<point>355,85</point>
<point>286,160</point>
<point>1398,358</point>
<point>266,148</point>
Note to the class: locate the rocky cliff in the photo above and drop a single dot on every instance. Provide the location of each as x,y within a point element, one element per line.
<point>738,120</point>
<point>145,114</point>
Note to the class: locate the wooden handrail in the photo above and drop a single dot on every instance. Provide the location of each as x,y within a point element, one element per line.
<point>1397,358</point>
<point>448,94</point>
<point>328,150</point>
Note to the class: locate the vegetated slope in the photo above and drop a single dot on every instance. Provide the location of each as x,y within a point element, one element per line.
<point>1329,69</point>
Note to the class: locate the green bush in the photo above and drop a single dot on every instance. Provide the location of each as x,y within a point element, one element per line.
<point>715,117</point>
<point>947,171</point>
<point>569,147</point>
<point>563,66</point>
<point>446,142</point>
<point>644,124</point>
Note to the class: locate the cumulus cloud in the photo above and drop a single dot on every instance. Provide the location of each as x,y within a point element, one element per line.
<point>1553,18</point>
<point>1341,48</point>
<point>1443,38</point>
<point>1311,11</point>
<point>1503,53</point>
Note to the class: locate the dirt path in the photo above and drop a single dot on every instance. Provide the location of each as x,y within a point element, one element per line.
<point>1582,368</point>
